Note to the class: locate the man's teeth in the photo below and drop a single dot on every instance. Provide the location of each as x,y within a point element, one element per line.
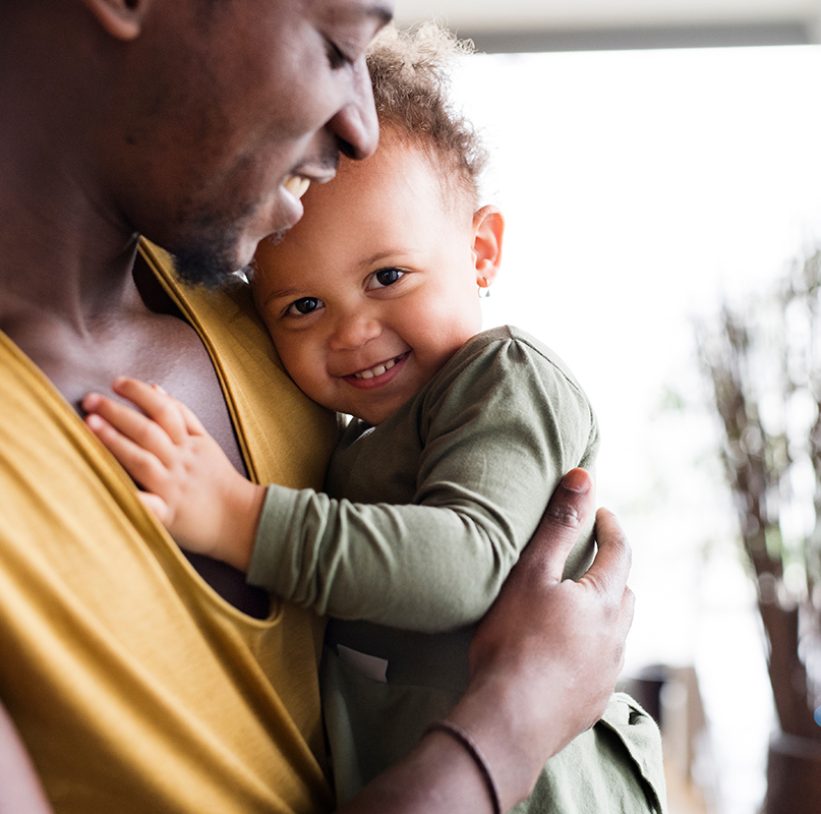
<point>297,185</point>
<point>373,372</point>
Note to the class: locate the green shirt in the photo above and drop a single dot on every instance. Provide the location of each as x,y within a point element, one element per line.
<point>424,516</point>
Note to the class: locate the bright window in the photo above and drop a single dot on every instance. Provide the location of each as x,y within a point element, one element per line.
<point>638,187</point>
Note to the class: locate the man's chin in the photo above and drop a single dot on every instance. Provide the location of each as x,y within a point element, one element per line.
<point>275,238</point>
<point>210,267</point>
<point>214,262</point>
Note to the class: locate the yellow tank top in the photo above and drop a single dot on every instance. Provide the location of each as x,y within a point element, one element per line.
<point>135,687</point>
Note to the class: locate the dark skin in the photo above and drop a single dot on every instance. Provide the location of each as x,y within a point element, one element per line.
<point>144,116</point>
<point>95,318</point>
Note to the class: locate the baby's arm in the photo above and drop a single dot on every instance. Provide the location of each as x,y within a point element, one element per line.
<point>188,481</point>
<point>501,432</point>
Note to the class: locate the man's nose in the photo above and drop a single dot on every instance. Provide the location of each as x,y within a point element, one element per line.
<point>356,126</point>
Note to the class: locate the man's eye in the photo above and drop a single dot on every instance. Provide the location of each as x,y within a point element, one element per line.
<point>337,58</point>
<point>302,306</point>
<point>386,277</point>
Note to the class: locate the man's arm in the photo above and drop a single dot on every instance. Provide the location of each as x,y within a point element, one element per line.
<point>544,661</point>
<point>20,790</point>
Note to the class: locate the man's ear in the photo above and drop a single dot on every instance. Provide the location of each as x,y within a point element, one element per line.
<point>123,19</point>
<point>488,230</point>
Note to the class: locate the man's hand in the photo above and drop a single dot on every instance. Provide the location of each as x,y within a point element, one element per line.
<point>549,651</point>
<point>188,482</point>
<point>544,661</point>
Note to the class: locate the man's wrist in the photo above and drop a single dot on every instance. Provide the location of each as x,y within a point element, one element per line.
<point>466,741</point>
<point>439,775</point>
<point>514,738</point>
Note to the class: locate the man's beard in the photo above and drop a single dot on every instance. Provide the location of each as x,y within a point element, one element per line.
<point>208,262</point>
<point>200,266</point>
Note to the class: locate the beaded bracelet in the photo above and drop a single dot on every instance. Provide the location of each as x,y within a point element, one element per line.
<point>460,735</point>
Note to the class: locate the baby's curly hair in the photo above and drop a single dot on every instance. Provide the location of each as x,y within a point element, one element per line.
<point>411,83</point>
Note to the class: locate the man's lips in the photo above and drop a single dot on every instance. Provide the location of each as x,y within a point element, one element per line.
<point>379,374</point>
<point>314,171</point>
<point>297,185</point>
<point>289,195</point>
<point>294,186</point>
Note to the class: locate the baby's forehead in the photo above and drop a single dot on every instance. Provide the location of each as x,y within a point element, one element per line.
<point>443,163</point>
<point>270,272</point>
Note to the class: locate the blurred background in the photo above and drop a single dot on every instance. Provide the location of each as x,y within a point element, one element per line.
<point>655,159</point>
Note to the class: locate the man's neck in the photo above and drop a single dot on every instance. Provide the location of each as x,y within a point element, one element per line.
<point>59,256</point>
<point>65,248</point>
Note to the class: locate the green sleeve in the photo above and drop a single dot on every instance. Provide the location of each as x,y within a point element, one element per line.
<point>500,426</point>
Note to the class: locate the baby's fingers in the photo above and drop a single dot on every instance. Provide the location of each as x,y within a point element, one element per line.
<point>139,429</point>
<point>156,404</point>
<point>193,425</point>
<point>143,466</point>
<point>157,506</point>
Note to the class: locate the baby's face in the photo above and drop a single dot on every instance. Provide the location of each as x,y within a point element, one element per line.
<point>375,288</point>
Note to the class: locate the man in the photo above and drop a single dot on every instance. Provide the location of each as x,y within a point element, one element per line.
<point>136,683</point>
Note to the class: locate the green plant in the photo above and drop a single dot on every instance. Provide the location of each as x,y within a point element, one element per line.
<point>762,361</point>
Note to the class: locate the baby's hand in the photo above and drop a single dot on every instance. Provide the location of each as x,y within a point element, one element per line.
<point>189,483</point>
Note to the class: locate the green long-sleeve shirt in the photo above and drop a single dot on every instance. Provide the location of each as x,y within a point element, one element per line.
<point>425,514</point>
<point>423,517</point>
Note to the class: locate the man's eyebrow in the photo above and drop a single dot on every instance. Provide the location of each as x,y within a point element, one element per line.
<point>382,13</point>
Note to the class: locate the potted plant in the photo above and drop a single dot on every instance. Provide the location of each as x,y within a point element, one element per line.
<point>763,365</point>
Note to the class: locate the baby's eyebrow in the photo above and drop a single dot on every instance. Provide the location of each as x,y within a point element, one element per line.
<point>279,294</point>
<point>376,258</point>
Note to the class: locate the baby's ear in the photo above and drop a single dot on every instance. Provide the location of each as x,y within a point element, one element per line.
<point>122,19</point>
<point>488,230</point>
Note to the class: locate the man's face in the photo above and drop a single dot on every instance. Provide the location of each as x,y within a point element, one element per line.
<point>235,107</point>
<point>375,289</point>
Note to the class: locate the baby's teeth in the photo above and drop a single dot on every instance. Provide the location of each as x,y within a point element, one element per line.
<point>376,371</point>
<point>373,372</point>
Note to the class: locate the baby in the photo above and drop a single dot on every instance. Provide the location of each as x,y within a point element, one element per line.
<point>456,441</point>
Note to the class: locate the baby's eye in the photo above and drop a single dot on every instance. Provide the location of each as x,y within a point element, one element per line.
<point>303,306</point>
<point>385,277</point>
